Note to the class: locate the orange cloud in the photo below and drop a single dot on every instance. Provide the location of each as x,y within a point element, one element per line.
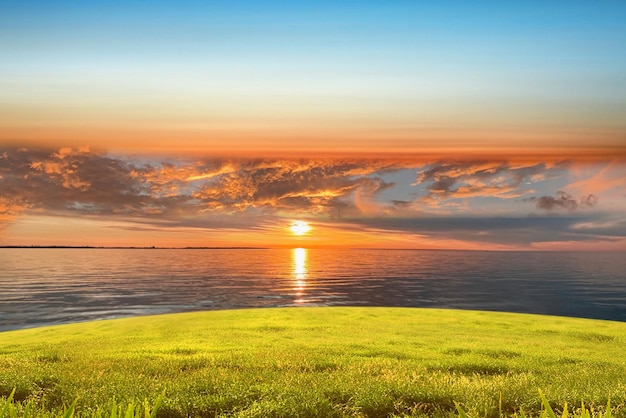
<point>10,209</point>
<point>609,178</point>
<point>81,181</point>
<point>446,201</point>
<point>450,184</point>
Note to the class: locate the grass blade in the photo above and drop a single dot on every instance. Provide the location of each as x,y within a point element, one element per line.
<point>584,413</point>
<point>70,411</point>
<point>28,410</point>
<point>462,413</point>
<point>130,411</point>
<point>521,413</point>
<point>113,409</point>
<point>157,404</point>
<point>550,413</point>
<point>8,402</point>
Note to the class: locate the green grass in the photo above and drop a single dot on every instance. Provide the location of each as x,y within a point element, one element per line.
<point>324,362</point>
<point>10,408</point>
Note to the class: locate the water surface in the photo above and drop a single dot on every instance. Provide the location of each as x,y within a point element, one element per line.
<point>52,286</point>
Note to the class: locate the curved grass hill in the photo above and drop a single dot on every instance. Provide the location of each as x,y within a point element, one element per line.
<point>322,362</point>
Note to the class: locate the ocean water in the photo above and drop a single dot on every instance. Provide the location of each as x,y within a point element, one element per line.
<point>52,286</point>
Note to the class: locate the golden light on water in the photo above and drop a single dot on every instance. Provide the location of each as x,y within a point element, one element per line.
<point>299,271</point>
<point>299,262</point>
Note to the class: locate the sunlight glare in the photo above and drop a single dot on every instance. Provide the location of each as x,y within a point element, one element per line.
<point>299,262</point>
<point>299,270</point>
<point>299,228</point>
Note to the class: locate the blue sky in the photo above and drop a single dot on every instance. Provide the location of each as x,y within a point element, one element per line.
<point>399,70</point>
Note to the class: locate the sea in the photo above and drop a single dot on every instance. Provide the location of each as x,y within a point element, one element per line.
<point>47,286</point>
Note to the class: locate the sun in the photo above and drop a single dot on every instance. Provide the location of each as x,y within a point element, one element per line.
<point>299,227</point>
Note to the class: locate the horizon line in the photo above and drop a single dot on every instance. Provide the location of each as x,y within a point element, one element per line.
<point>95,247</point>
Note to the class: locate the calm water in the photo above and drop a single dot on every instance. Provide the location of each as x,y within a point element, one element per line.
<point>51,286</point>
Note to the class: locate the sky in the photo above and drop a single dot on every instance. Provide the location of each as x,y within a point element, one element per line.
<point>393,124</point>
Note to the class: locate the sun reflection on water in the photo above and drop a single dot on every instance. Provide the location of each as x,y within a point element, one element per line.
<point>299,256</point>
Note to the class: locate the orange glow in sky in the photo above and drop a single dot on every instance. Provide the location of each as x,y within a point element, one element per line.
<point>77,196</point>
<point>470,126</point>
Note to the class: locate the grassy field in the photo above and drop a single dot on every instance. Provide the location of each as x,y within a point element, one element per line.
<point>324,362</point>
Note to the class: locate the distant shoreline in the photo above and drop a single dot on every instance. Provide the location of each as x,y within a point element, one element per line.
<point>95,247</point>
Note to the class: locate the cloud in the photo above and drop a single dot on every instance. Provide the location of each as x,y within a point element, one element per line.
<point>80,182</point>
<point>10,209</point>
<point>514,232</point>
<point>471,201</point>
<point>445,185</point>
<point>588,201</point>
<point>563,202</point>
<point>318,187</point>
<point>607,179</point>
<point>605,226</point>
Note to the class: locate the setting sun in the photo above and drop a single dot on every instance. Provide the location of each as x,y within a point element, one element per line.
<point>299,228</point>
